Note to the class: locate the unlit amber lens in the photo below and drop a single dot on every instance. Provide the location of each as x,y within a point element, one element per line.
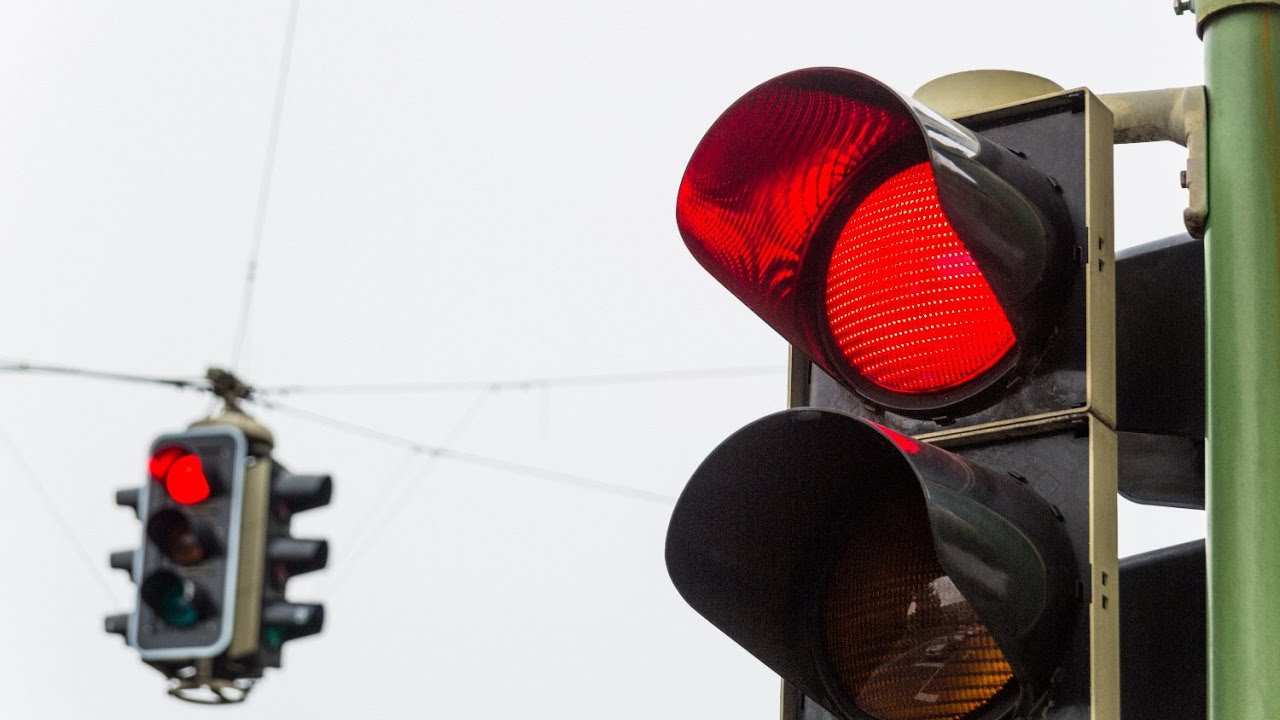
<point>900,637</point>
<point>173,533</point>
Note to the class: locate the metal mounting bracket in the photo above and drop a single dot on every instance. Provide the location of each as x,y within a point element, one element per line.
<point>1176,115</point>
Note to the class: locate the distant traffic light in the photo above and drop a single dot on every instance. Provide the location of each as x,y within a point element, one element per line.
<point>945,285</point>
<point>186,568</point>
<point>215,556</point>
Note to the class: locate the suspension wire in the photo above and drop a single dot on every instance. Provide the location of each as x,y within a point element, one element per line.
<point>531,383</point>
<point>63,525</point>
<point>472,458</point>
<point>180,383</point>
<point>402,492</point>
<point>402,472</point>
<point>264,189</point>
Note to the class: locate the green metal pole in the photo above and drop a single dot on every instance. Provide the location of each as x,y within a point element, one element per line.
<point>1242,256</point>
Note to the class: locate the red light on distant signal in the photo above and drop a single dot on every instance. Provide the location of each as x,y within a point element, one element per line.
<point>182,474</point>
<point>163,459</point>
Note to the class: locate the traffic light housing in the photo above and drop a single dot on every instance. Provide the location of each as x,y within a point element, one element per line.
<point>216,554</point>
<point>187,565</point>
<point>930,531</point>
<point>287,556</point>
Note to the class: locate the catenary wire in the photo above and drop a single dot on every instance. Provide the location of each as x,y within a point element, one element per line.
<point>471,458</point>
<point>202,384</point>
<point>52,508</point>
<point>181,383</point>
<point>401,493</point>
<point>529,383</point>
<point>264,188</point>
<point>403,485</point>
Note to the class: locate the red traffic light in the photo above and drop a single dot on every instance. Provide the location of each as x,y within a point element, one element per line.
<point>905,255</point>
<point>182,474</point>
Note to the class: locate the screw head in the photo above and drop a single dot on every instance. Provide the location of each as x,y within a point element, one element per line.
<point>1181,6</point>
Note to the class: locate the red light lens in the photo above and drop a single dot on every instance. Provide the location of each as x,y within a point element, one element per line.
<point>906,303</point>
<point>765,175</point>
<point>163,459</point>
<point>186,481</point>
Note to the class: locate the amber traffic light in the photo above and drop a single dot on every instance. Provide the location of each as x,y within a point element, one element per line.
<point>884,577</point>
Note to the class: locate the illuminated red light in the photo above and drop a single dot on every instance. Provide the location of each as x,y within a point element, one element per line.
<point>907,305</point>
<point>186,481</point>
<point>182,474</point>
<point>163,459</point>
<point>763,177</point>
<point>775,201</point>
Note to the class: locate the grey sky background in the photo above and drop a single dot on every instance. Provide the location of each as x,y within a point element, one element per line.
<point>462,192</point>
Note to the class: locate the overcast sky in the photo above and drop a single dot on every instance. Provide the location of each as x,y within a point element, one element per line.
<point>462,191</point>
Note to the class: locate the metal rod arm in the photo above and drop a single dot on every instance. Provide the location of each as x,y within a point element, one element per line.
<point>1176,115</point>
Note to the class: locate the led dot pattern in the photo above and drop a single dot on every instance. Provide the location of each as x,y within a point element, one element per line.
<point>900,638</point>
<point>765,175</point>
<point>906,303</point>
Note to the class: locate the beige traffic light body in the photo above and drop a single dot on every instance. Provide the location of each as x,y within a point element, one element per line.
<point>809,387</point>
<point>936,293</point>
<point>1097,416</point>
<point>251,551</point>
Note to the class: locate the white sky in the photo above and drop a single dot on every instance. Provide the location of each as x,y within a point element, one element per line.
<point>463,191</point>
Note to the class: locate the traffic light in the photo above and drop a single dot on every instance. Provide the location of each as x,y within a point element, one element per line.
<point>1162,635</point>
<point>929,532</point>
<point>287,556</point>
<point>1160,371</point>
<point>186,568</point>
<point>216,554</point>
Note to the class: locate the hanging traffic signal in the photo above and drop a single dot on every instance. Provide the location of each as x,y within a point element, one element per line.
<point>216,554</point>
<point>944,285</point>
<point>186,568</point>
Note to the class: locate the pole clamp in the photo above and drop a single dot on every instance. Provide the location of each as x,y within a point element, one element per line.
<point>1205,9</point>
<point>1176,115</point>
